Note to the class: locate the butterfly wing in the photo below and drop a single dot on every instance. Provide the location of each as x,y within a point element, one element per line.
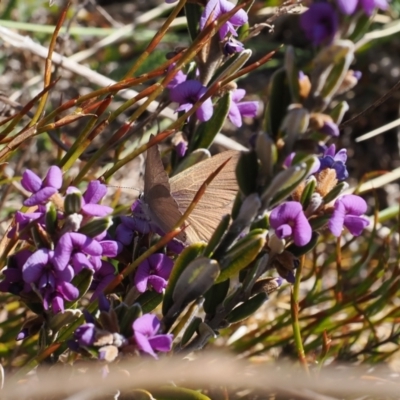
<point>217,199</point>
<point>160,206</point>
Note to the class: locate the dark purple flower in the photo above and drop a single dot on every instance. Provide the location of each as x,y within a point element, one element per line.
<point>181,148</point>
<point>215,8</point>
<point>348,211</point>
<point>85,334</point>
<point>145,330</point>
<point>335,161</point>
<point>42,190</point>
<point>349,7</point>
<point>233,46</point>
<point>289,221</point>
<point>238,109</point>
<point>101,279</point>
<point>330,128</point>
<point>319,23</point>
<point>154,272</point>
<point>13,281</point>
<point>188,93</point>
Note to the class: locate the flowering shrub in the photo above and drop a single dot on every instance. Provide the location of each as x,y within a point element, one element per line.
<point>121,285</point>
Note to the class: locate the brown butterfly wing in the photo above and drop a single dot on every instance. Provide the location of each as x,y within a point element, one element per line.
<point>217,199</point>
<point>162,209</point>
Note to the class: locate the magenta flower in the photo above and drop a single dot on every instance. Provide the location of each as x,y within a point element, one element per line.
<point>336,161</point>
<point>145,334</point>
<point>238,109</point>
<point>42,190</point>
<point>215,8</point>
<point>348,211</point>
<point>289,221</point>
<point>349,7</point>
<point>319,23</point>
<point>189,92</point>
<point>154,272</point>
<point>94,193</point>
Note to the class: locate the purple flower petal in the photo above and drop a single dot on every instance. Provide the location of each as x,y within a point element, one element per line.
<point>30,181</point>
<point>57,304</point>
<point>234,115</point>
<point>205,111</point>
<point>143,344</point>
<point>142,276</point>
<point>187,92</point>
<point>248,108</point>
<point>85,334</point>
<point>355,224</point>
<point>53,177</point>
<point>95,192</point>
<point>161,342</point>
<point>33,268</point>
<point>347,6</point>
<point>68,291</point>
<point>110,248</point>
<point>157,283</point>
<point>284,231</point>
<point>96,210</point>
<point>147,324</point>
<point>40,196</point>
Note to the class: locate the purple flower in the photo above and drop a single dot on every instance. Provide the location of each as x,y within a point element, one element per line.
<point>288,161</point>
<point>181,148</point>
<point>154,271</point>
<point>54,285</point>
<point>348,7</point>
<point>72,243</point>
<point>89,203</point>
<point>13,281</point>
<point>101,279</point>
<point>335,161</point>
<point>145,330</point>
<point>215,8</point>
<point>330,128</point>
<point>85,334</point>
<point>42,190</point>
<point>348,211</point>
<point>319,23</point>
<point>238,109</point>
<point>233,46</point>
<point>288,220</point>
<point>177,79</point>
<point>189,92</point>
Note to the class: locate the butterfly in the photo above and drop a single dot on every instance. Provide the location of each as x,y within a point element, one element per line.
<point>165,200</point>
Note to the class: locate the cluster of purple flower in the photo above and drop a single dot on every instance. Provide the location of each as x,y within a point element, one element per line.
<point>289,220</point>
<point>321,21</point>
<point>68,239</point>
<point>187,92</point>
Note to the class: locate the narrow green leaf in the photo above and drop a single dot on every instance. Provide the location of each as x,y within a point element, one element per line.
<point>215,296</point>
<point>217,235</point>
<point>149,301</point>
<point>193,13</point>
<point>247,172</point>
<point>247,309</point>
<point>189,254</point>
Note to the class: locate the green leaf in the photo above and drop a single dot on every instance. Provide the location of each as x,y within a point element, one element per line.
<point>292,74</point>
<point>149,301</point>
<point>127,318</point>
<point>73,203</point>
<point>193,13</point>
<point>215,296</point>
<point>190,330</point>
<point>247,172</point>
<point>206,131</point>
<point>335,192</point>
<point>217,235</point>
<point>95,227</point>
<point>195,280</point>
<point>279,101</point>
<point>82,282</point>
<point>267,154</point>
<point>242,254</point>
<point>189,254</point>
<point>177,393</point>
<point>247,309</point>
<point>307,193</point>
